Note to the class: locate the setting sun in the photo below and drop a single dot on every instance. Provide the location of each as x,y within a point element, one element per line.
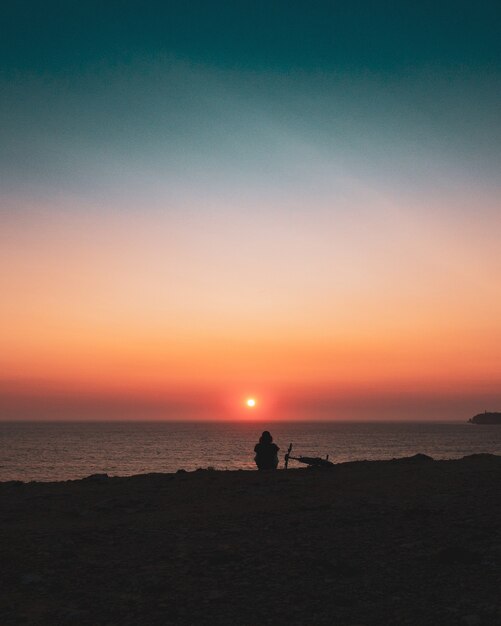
<point>251,403</point>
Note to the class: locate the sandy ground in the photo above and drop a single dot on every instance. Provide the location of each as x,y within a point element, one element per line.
<point>398,542</point>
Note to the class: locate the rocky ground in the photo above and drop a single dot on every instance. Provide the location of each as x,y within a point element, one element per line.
<point>399,542</point>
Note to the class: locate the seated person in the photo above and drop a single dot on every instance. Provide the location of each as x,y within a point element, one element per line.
<point>266,452</point>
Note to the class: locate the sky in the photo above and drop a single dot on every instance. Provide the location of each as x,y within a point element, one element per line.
<point>202,202</point>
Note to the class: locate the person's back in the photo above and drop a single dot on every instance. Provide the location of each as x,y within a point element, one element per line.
<point>266,452</point>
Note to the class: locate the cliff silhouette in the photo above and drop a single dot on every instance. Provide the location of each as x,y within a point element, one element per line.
<point>486,418</point>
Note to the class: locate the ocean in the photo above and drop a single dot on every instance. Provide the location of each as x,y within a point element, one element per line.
<point>51,451</point>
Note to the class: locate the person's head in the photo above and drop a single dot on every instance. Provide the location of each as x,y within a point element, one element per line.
<point>266,437</point>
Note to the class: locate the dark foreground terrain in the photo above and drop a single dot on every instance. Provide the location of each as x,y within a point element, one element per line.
<point>398,542</point>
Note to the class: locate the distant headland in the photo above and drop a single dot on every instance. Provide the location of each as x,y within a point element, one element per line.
<point>486,418</point>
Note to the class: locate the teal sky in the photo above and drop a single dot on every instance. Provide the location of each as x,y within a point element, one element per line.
<point>358,36</point>
<point>234,91</point>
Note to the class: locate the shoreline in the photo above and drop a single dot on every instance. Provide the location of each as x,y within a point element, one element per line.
<point>101,477</point>
<point>419,457</point>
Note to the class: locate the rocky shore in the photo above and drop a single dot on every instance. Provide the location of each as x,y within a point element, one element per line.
<point>409,541</point>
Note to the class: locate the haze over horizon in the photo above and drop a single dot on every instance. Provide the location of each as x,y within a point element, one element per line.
<point>202,202</point>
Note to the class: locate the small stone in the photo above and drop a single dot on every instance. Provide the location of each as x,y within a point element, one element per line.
<point>72,613</point>
<point>31,579</point>
<point>216,595</point>
<point>471,620</point>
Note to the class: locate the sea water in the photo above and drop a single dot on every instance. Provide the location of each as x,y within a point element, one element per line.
<point>50,451</point>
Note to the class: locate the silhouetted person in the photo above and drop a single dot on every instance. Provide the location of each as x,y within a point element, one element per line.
<point>266,452</point>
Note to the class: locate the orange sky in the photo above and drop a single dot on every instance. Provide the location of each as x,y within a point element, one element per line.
<point>362,312</point>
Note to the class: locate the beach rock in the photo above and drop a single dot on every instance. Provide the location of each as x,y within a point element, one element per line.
<point>416,458</point>
<point>97,478</point>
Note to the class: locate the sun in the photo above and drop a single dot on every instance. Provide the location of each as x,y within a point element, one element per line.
<point>250,402</point>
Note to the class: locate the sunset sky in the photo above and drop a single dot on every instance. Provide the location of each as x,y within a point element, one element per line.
<point>202,202</point>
